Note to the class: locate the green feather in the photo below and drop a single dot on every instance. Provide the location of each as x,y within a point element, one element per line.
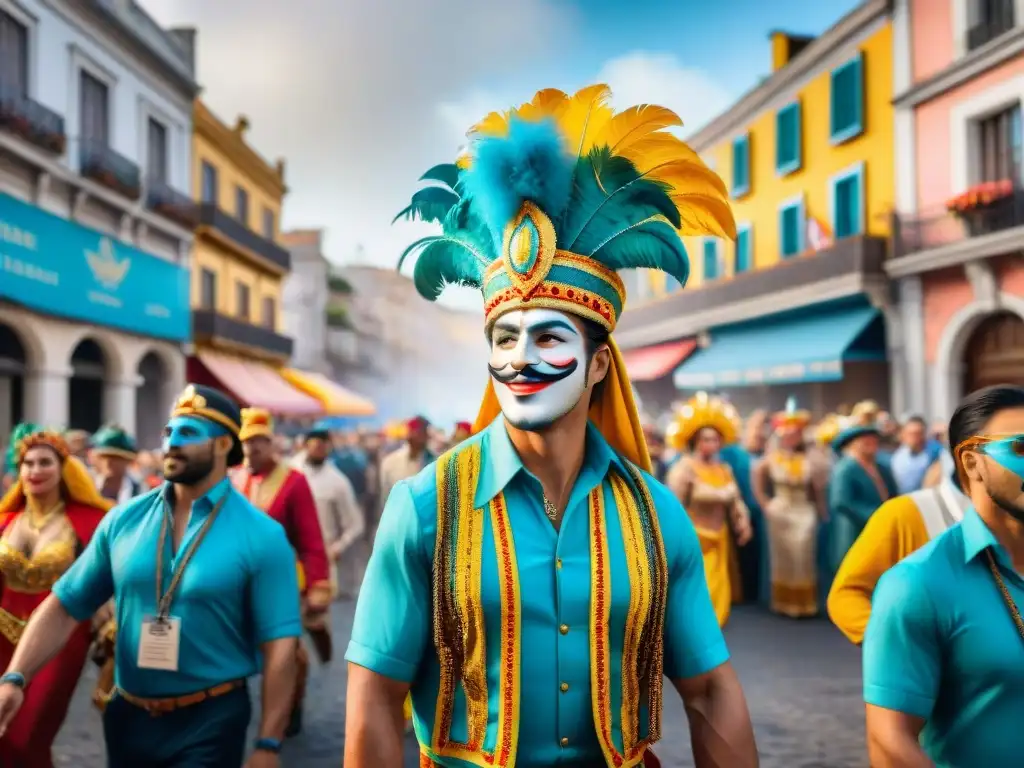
<point>610,194</point>
<point>649,244</point>
<point>429,204</point>
<point>448,261</point>
<point>444,173</point>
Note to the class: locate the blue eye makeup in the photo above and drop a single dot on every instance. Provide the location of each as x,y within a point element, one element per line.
<point>183,431</point>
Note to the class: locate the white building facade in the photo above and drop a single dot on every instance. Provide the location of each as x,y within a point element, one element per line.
<point>304,298</point>
<point>95,217</point>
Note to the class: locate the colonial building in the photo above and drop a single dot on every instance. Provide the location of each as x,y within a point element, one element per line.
<point>239,267</point>
<point>95,224</point>
<point>959,80</point>
<point>798,304</point>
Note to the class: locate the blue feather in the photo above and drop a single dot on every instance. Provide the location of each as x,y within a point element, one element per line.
<point>447,261</point>
<point>429,204</point>
<point>530,163</point>
<point>444,173</point>
<point>650,244</point>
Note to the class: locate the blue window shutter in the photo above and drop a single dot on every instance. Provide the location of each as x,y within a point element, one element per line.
<point>789,235</point>
<point>847,205</point>
<point>741,166</point>
<point>743,254</point>
<point>787,139</point>
<point>846,100</point>
<point>710,259</point>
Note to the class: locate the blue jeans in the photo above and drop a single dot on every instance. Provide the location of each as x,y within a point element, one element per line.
<point>210,734</point>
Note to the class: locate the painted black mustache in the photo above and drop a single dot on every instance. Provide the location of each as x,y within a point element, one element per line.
<point>530,373</point>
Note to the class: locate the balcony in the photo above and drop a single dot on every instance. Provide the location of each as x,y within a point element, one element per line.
<point>999,18</point>
<point>31,121</point>
<point>211,326</point>
<point>173,205</point>
<point>229,228</point>
<point>850,266</point>
<point>97,161</point>
<point>936,229</point>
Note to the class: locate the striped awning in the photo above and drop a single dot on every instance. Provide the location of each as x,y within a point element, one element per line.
<point>335,400</point>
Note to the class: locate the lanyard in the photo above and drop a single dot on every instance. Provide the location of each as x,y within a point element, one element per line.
<point>1007,597</point>
<point>163,599</point>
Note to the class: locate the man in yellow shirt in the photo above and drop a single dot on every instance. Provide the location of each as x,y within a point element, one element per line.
<point>901,526</point>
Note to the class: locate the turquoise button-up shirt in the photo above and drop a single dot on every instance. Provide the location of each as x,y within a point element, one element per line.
<point>392,631</point>
<point>240,588</point>
<point>941,645</point>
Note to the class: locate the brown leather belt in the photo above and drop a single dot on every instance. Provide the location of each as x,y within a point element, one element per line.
<point>157,707</point>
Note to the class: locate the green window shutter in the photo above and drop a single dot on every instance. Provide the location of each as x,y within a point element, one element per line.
<point>847,203</point>
<point>788,139</point>
<point>741,166</point>
<point>710,259</point>
<point>789,235</point>
<point>846,100</point>
<point>743,255</point>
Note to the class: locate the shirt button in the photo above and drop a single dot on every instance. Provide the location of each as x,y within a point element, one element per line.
<point>565,742</point>
<point>558,563</point>
<point>564,629</point>
<point>564,687</point>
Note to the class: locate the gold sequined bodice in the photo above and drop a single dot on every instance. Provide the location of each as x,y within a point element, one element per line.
<point>713,485</point>
<point>791,476</point>
<point>39,571</point>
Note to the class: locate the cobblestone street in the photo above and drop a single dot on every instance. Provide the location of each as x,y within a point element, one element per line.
<point>802,680</point>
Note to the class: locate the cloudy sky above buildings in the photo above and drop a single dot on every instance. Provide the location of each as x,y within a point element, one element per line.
<point>362,96</point>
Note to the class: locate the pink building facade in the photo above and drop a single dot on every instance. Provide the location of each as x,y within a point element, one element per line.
<point>959,227</point>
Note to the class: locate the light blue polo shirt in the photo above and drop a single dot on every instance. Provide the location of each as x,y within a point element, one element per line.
<point>392,630</point>
<point>941,644</point>
<point>240,589</point>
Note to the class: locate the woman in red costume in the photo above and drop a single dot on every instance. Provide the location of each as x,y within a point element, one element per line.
<point>46,519</point>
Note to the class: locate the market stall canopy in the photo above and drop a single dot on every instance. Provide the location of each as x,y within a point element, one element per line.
<point>335,399</point>
<point>651,363</point>
<point>255,384</point>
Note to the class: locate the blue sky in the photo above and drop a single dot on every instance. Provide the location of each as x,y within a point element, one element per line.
<point>361,96</point>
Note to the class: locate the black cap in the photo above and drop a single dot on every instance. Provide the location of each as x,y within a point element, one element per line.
<point>213,405</point>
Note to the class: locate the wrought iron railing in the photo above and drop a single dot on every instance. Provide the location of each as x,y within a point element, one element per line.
<point>165,200</point>
<point>937,227</point>
<point>31,120</point>
<point>209,324</point>
<point>233,229</point>
<point>100,163</point>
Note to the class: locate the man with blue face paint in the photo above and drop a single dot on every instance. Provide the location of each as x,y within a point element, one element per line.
<point>206,596</point>
<point>944,647</point>
<point>533,588</point>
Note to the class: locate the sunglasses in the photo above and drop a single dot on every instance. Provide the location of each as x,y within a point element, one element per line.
<point>1001,448</point>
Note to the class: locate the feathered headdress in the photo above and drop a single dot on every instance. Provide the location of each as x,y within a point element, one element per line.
<point>700,412</point>
<point>552,198</point>
<point>792,417</point>
<point>13,457</point>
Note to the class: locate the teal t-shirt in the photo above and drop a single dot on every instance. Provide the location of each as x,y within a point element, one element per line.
<point>941,645</point>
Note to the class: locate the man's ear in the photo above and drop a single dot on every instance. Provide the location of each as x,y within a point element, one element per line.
<point>600,363</point>
<point>972,465</point>
<point>222,445</point>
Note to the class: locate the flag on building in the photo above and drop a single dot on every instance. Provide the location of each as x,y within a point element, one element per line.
<point>819,236</point>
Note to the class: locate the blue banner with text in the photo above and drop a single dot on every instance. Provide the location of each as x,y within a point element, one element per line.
<point>58,267</point>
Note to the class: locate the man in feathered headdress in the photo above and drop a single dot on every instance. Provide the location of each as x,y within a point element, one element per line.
<point>489,594</point>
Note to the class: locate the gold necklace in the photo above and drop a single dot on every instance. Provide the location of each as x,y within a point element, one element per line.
<point>38,522</point>
<point>1007,597</point>
<point>549,509</point>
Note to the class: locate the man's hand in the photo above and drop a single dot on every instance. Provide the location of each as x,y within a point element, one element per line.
<point>11,699</point>
<point>263,759</point>
<point>335,551</point>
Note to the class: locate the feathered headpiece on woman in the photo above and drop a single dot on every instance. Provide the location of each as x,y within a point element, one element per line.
<point>551,199</point>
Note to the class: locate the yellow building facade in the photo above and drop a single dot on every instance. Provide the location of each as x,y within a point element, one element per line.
<point>807,156</point>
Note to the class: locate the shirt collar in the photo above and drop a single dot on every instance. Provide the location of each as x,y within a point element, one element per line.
<point>501,463</point>
<point>977,536</point>
<point>204,503</point>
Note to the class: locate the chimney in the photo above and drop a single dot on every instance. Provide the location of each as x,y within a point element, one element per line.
<point>185,37</point>
<point>241,125</point>
<point>280,167</point>
<point>786,47</point>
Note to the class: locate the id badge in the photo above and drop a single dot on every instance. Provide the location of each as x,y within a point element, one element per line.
<point>159,643</point>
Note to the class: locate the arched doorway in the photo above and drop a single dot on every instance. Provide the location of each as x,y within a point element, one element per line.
<point>88,374</point>
<point>150,400</point>
<point>994,353</point>
<point>13,362</point>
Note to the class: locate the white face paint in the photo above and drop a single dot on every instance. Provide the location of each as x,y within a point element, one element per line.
<point>539,366</point>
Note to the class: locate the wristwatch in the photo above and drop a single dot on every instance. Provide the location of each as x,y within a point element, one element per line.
<point>13,678</point>
<point>268,745</point>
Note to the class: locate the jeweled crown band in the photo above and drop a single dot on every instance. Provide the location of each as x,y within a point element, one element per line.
<point>573,283</point>
<point>207,413</point>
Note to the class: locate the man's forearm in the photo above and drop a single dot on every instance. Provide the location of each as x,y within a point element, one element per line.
<point>47,632</point>
<point>720,730</point>
<point>897,751</point>
<point>279,678</point>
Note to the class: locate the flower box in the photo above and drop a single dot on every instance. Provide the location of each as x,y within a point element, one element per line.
<point>982,206</point>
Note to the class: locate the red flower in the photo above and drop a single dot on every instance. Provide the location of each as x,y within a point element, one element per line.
<point>980,195</point>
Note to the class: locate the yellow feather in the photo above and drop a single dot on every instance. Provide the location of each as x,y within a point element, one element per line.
<point>687,176</point>
<point>705,215</point>
<point>550,100</point>
<point>659,148</point>
<point>636,124</point>
<point>495,124</point>
<point>584,117</point>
